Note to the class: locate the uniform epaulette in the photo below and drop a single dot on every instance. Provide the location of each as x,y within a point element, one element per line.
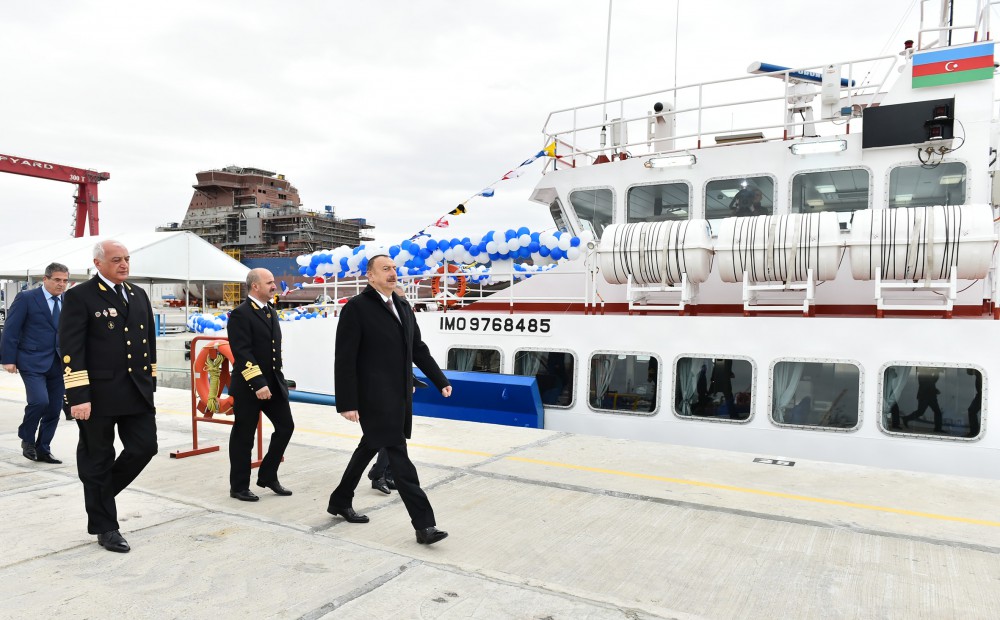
<point>75,379</point>
<point>251,371</point>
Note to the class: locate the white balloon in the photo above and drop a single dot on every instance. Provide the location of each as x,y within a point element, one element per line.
<point>525,240</point>
<point>491,247</point>
<point>564,242</point>
<point>437,256</point>
<point>302,260</point>
<point>449,254</point>
<point>573,253</point>
<point>514,245</point>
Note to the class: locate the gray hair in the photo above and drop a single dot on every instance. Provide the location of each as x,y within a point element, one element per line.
<point>99,247</point>
<point>55,268</point>
<point>253,277</point>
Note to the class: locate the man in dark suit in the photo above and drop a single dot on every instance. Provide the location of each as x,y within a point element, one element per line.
<point>30,346</point>
<point>108,343</point>
<point>378,341</point>
<point>257,385</point>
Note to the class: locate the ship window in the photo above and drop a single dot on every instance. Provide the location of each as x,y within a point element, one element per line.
<point>739,197</point>
<point>658,203</point>
<point>554,372</point>
<point>917,186</point>
<point>713,388</point>
<point>594,208</point>
<point>830,190</point>
<point>817,394</point>
<point>474,360</point>
<point>935,401</point>
<point>555,209</point>
<point>623,382</point>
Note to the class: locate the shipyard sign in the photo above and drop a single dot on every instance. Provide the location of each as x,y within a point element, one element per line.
<point>494,325</point>
<point>41,165</point>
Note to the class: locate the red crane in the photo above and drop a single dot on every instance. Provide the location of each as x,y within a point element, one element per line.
<point>85,180</point>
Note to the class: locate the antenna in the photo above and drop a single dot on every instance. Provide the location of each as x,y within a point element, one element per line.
<point>677,32</point>
<point>607,56</point>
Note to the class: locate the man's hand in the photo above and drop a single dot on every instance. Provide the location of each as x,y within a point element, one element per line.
<point>11,368</point>
<point>81,411</point>
<point>264,393</point>
<point>446,391</point>
<point>350,415</point>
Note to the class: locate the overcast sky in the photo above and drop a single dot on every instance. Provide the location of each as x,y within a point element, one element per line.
<point>394,111</point>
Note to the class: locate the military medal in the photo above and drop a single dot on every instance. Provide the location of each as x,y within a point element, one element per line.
<point>112,312</point>
<point>111,324</point>
<point>97,314</point>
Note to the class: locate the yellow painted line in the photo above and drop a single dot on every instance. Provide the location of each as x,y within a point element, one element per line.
<point>791,496</point>
<point>681,481</point>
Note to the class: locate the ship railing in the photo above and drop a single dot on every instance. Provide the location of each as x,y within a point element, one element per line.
<point>708,110</point>
<point>980,27</point>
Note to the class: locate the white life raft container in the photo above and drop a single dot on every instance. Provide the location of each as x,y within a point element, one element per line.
<point>779,248</point>
<point>656,252</point>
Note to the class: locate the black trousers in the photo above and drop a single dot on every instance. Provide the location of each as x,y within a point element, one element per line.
<point>405,474</point>
<point>381,467</point>
<point>105,476</point>
<point>241,439</point>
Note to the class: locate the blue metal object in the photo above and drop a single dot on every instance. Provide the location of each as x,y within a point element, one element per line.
<point>312,398</point>
<point>805,76</point>
<point>483,397</point>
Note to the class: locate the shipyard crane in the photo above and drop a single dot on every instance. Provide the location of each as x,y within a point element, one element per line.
<point>85,180</point>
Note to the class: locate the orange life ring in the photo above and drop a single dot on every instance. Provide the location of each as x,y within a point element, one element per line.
<point>453,294</point>
<point>202,381</point>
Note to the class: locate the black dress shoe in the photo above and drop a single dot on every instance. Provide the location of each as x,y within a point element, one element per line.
<point>244,496</point>
<point>379,484</point>
<point>430,535</point>
<point>348,513</point>
<point>113,541</point>
<point>276,487</point>
<point>46,457</point>
<point>28,450</point>
<point>390,482</point>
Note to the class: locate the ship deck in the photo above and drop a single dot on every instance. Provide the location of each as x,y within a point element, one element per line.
<point>543,525</point>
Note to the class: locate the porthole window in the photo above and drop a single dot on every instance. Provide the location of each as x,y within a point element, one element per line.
<point>474,360</point>
<point>623,382</point>
<point>817,394</point>
<point>933,401</point>
<point>720,388</point>
<point>554,371</point>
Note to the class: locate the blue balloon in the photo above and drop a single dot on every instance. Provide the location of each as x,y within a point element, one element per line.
<point>574,242</point>
<point>534,236</point>
<point>393,251</point>
<point>344,264</point>
<point>489,236</point>
<point>302,270</point>
<point>444,245</point>
<point>556,253</point>
<point>544,250</point>
<point>425,253</point>
<point>494,257</point>
<point>524,253</point>
<point>311,272</point>
<point>533,246</point>
<point>523,231</point>
<point>510,234</point>
<point>474,250</point>
<point>431,245</point>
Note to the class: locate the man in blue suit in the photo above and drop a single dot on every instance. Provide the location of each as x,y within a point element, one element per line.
<point>30,346</point>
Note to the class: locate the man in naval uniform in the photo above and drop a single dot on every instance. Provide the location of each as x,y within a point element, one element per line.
<point>257,385</point>
<point>108,343</point>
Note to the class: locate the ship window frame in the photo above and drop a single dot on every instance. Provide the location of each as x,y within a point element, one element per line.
<point>573,375</point>
<point>579,221</point>
<point>775,208</point>
<point>753,393</point>
<point>690,202</point>
<point>797,173</point>
<point>817,360</point>
<point>880,395</point>
<point>918,164</point>
<point>477,347</point>
<point>659,383</point>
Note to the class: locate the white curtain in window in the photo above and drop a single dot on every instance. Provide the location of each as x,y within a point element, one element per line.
<point>895,380</point>
<point>464,359</point>
<point>604,370</point>
<point>688,369</point>
<point>531,361</point>
<point>786,380</point>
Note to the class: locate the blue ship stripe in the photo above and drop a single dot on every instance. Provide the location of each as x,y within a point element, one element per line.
<point>954,53</point>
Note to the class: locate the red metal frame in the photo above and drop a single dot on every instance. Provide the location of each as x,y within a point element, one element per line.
<point>196,418</point>
<point>85,180</point>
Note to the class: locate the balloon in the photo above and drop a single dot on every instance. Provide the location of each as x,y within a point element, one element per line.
<point>443,245</point>
<point>524,240</point>
<point>573,253</point>
<point>564,243</point>
<point>491,247</point>
<point>523,231</point>
<point>432,245</point>
<point>510,234</point>
<point>544,250</point>
<point>393,251</point>
<point>575,242</point>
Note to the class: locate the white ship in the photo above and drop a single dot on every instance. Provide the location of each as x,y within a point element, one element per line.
<point>816,279</point>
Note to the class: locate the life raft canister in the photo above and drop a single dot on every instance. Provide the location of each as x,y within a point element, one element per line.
<point>213,372</point>
<point>453,294</point>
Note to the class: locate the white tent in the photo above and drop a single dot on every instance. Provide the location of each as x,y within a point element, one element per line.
<point>178,256</point>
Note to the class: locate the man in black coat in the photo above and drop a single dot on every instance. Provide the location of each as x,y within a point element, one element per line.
<point>257,385</point>
<point>108,342</point>
<point>378,341</point>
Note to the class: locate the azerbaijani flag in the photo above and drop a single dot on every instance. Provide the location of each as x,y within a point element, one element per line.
<point>953,65</point>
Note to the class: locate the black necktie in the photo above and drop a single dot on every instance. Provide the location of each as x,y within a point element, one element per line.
<point>55,310</point>
<point>119,289</point>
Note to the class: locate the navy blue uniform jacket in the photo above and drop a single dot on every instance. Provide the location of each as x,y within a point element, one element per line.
<point>30,337</point>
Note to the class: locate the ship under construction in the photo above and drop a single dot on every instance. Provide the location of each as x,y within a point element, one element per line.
<point>256,216</point>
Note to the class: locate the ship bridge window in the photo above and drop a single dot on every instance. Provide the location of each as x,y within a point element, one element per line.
<point>933,401</point>
<point>815,394</point>
<point>831,190</point>
<point>623,382</point>
<point>917,186</point>
<point>739,197</point>
<point>474,360</point>
<point>556,211</point>
<point>594,208</point>
<point>658,203</point>
<point>708,387</point>
<point>554,371</point>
